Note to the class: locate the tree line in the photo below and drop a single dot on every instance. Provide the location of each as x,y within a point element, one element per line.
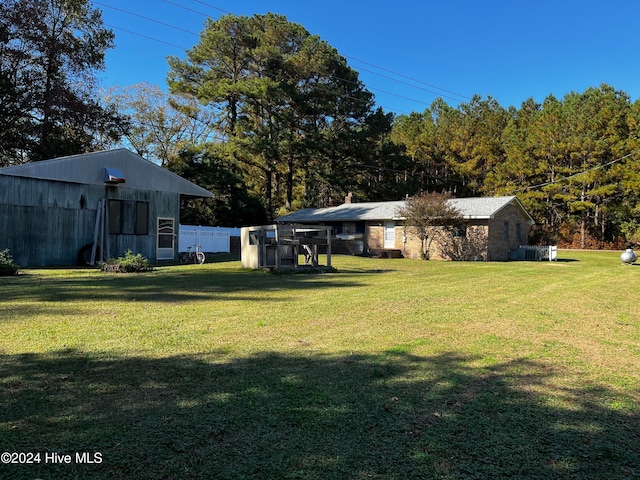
<point>271,119</point>
<point>573,162</point>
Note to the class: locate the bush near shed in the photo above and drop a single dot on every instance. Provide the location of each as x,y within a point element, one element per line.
<point>7,265</point>
<point>130,263</point>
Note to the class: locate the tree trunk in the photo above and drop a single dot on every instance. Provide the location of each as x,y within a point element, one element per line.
<point>583,224</point>
<point>289,200</point>
<point>268,191</point>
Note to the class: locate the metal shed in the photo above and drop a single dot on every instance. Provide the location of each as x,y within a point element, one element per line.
<point>50,211</point>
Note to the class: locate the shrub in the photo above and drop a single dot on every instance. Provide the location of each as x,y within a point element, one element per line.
<point>426,215</point>
<point>7,265</point>
<point>470,246</point>
<point>130,263</point>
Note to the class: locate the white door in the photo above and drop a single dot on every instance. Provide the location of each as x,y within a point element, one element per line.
<point>389,235</point>
<point>166,239</point>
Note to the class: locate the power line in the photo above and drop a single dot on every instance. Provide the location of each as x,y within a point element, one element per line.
<point>145,36</point>
<point>412,79</point>
<point>366,63</point>
<point>214,7</point>
<point>194,33</point>
<point>347,56</point>
<point>187,8</point>
<point>379,68</point>
<point>409,84</point>
<point>275,77</point>
<point>144,17</point>
<point>597,167</point>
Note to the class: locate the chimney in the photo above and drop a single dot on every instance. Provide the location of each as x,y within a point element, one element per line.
<point>349,198</point>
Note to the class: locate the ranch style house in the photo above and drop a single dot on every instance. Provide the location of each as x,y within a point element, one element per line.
<point>493,228</point>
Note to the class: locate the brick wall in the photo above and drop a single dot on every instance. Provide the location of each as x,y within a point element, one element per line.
<point>502,233</point>
<point>413,247</point>
<point>488,237</point>
<point>374,236</point>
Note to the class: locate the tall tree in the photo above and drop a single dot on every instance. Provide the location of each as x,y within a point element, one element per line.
<point>379,169</point>
<point>475,146</point>
<point>573,161</point>
<point>627,213</point>
<point>427,138</point>
<point>281,95</point>
<point>598,136</point>
<point>50,51</point>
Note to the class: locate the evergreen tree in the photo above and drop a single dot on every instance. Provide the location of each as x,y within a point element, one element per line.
<point>231,203</point>
<point>598,136</point>
<point>288,103</point>
<point>570,161</point>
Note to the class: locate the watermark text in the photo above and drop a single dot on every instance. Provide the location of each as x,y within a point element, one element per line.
<point>52,458</point>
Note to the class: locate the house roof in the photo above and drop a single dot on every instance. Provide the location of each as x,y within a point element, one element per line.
<point>469,208</point>
<point>344,213</point>
<point>90,168</point>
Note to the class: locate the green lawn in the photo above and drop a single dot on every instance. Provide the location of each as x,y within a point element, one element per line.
<point>388,369</point>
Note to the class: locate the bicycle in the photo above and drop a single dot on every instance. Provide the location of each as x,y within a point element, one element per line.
<point>196,256</point>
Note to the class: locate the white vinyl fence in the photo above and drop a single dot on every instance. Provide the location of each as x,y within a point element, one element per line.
<point>210,239</point>
<point>531,252</point>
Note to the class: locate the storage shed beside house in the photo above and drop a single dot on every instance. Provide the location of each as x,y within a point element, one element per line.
<point>53,211</point>
<point>493,227</point>
<point>280,247</point>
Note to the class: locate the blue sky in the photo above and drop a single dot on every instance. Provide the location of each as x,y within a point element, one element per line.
<point>410,52</point>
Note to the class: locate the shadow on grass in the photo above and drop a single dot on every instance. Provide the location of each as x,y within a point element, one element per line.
<point>171,284</point>
<point>275,416</point>
<point>222,257</point>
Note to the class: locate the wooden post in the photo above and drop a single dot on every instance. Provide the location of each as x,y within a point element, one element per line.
<point>96,231</point>
<point>106,246</point>
<point>262,245</point>
<point>277,252</point>
<point>102,221</point>
<point>328,246</point>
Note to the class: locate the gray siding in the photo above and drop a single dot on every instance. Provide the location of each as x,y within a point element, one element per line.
<point>161,204</point>
<point>46,223</point>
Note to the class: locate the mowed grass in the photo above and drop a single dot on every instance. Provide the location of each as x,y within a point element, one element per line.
<point>388,369</point>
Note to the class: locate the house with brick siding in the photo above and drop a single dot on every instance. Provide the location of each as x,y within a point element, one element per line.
<point>492,228</point>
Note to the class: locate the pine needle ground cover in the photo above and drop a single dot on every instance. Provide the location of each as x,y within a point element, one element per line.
<point>388,369</point>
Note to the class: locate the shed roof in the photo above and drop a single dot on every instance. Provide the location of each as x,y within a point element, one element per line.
<point>470,208</point>
<point>89,168</point>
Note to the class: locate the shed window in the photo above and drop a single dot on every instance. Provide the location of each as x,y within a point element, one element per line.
<point>518,232</point>
<point>142,218</point>
<point>460,231</point>
<point>505,230</point>
<point>115,216</point>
